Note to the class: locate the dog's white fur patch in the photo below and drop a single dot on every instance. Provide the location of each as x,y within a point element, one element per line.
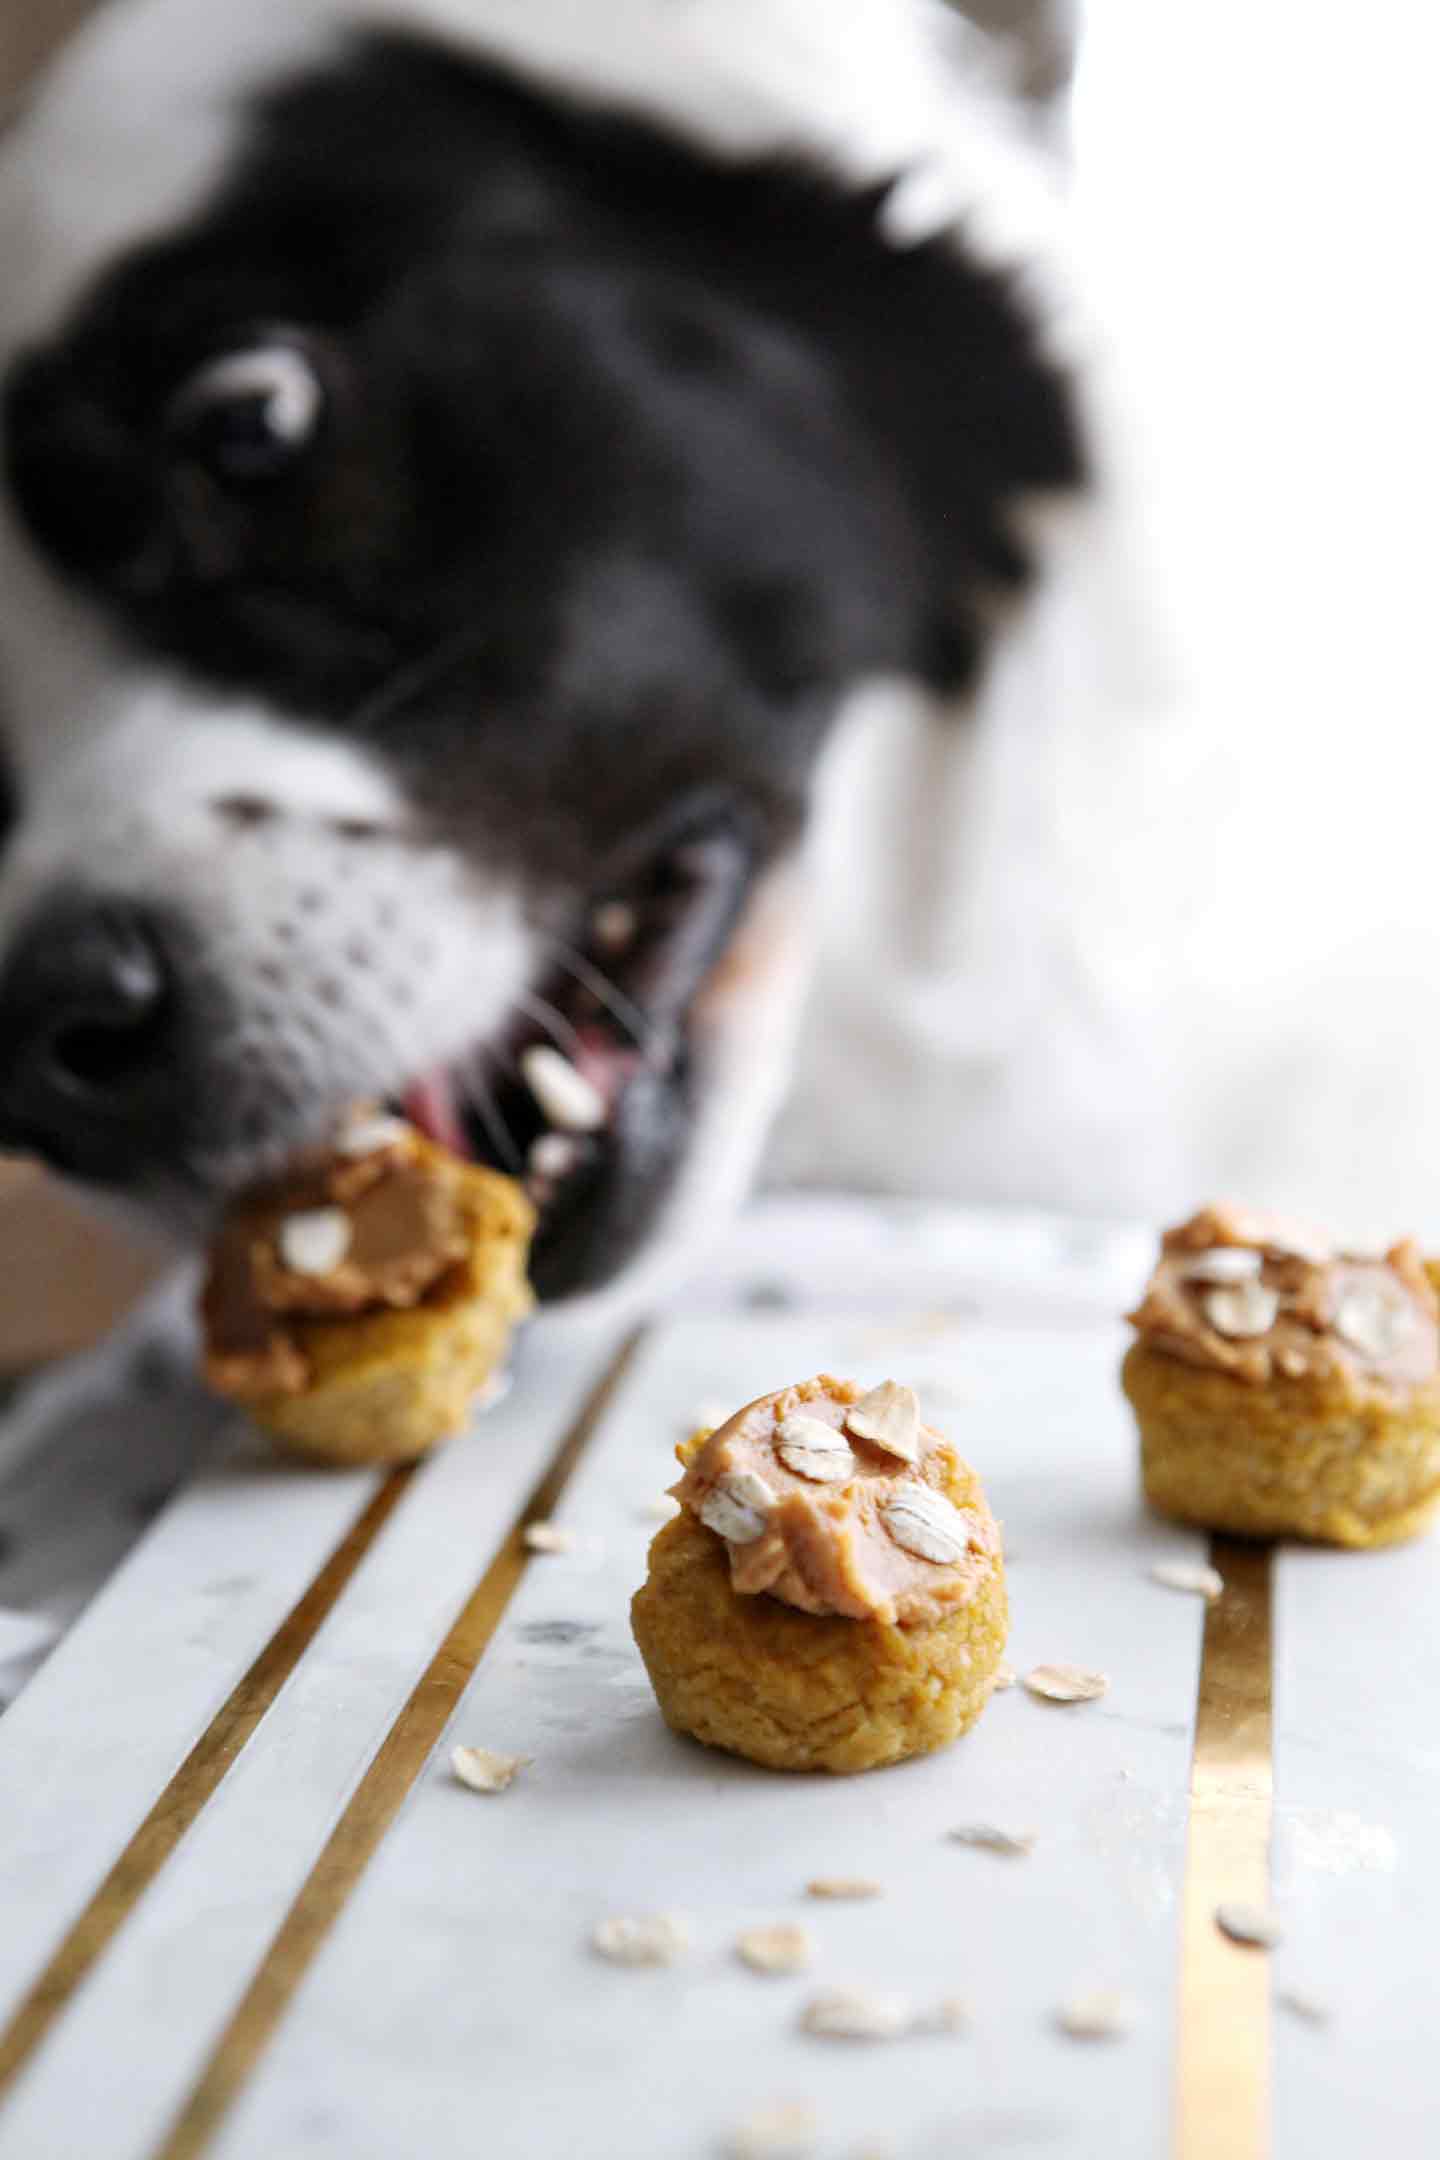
<point>352,961</point>
<point>139,120</point>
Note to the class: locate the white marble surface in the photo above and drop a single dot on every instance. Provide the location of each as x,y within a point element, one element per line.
<point>158,1999</point>
<point>86,1750</point>
<point>456,2007</point>
<point>1357,1759</point>
<point>502,2022</point>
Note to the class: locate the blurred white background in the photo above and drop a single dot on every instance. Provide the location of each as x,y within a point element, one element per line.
<point>1209,954</point>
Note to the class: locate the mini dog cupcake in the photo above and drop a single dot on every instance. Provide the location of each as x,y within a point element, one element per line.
<point>832,1594</point>
<point>357,1305</point>
<point>1284,1388</point>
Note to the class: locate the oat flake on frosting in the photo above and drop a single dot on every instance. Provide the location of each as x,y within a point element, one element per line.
<point>814,1450</point>
<point>925,1523</point>
<point>738,1508</point>
<point>889,1418</point>
<point>1241,1309</point>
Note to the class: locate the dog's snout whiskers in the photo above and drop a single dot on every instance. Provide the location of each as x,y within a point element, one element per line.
<point>244,812</point>
<point>623,1010</point>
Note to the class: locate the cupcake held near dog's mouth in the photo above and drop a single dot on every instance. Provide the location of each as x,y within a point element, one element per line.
<point>359,1304</point>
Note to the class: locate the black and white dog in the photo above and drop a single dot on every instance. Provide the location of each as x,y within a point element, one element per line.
<point>460,458</point>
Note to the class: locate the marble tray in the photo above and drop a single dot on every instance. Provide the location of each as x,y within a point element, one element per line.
<point>245,1908</point>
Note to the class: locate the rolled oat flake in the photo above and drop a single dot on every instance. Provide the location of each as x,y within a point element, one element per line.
<point>989,1837</point>
<point>1241,1310</point>
<point>783,2130</point>
<point>1374,1318</point>
<point>640,1939</point>
<point>1066,1683</point>
<point>738,1507</point>
<point>549,1537</point>
<point>1193,1576</point>
<point>1225,1264</point>
<point>889,1418</point>
<point>784,1947</point>
<point>484,1771</point>
<point>855,2014</point>
<point>814,1450</point>
<point>1098,2014</point>
<point>1252,1925</point>
<point>925,1523</point>
<point>313,1241</point>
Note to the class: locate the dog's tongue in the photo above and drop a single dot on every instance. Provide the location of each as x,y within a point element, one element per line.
<point>429,1103</point>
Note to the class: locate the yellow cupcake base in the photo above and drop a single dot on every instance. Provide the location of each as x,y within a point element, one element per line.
<point>387,1386</point>
<point>797,1691</point>
<point>1303,1458</point>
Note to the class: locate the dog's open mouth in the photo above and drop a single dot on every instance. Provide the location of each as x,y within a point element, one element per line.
<point>588,1096</point>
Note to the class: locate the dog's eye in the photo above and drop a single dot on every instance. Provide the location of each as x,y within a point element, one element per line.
<point>249,414</point>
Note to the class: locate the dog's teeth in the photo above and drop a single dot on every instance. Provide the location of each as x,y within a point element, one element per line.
<point>553,1155</point>
<point>613,925</point>
<point>567,1098</point>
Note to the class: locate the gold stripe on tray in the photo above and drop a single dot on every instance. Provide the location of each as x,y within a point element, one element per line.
<point>192,1786</point>
<point>376,1801</point>
<point>1223,2067</point>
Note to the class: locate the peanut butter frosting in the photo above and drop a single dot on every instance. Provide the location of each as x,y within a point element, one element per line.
<point>818,1512</point>
<point>1261,1297</point>
<point>340,1232</point>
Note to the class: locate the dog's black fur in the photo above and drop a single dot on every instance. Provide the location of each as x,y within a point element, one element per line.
<point>633,461</point>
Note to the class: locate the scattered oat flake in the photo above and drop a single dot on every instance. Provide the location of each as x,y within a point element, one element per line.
<point>856,2014</point>
<point>1308,2008</point>
<point>950,2015</point>
<point>640,1938</point>
<point>550,1537</point>
<point>1004,1678</point>
<point>988,1837</point>
<point>1191,1575</point>
<point>1067,1683</point>
<point>484,1771</point>
<point>1252,1925</point>
<point>782,2130</point>
<point>1098,2014</point>
<point>782,1948</point>
<point>843,1886</point>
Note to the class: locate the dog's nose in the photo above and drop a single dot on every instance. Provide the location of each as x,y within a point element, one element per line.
<point>88,1066</point>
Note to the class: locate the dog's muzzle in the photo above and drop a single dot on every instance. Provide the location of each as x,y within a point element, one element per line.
<point>95,1034</point>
